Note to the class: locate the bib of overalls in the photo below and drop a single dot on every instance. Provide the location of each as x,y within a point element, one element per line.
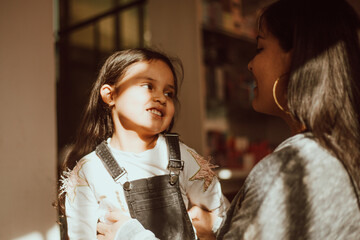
<point>156,202</point>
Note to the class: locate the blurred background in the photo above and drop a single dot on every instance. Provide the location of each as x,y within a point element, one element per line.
<point>50,54</point>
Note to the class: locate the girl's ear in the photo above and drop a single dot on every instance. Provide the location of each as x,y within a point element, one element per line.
<point>107,94</point>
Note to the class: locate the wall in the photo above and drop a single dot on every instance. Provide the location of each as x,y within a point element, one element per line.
<point>27,122</point>
<point>174,28</point>
<point>356,5</point>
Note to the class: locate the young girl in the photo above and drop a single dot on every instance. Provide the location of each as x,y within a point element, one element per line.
<point>124,159</point>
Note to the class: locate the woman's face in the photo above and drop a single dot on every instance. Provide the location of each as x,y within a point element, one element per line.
<point>269,63</point>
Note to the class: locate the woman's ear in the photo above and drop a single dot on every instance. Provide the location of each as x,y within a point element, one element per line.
<point>107,94</point>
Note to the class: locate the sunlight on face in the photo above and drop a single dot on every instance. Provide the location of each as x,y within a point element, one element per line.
<point>144,99</point>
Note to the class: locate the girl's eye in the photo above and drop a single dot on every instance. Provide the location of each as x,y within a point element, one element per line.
<point>147,85</point>
<point>169,94</point>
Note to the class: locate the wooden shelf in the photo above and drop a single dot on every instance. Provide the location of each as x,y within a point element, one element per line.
<point>227,33</point>
<point>217,124</point>
<point>233,184</point>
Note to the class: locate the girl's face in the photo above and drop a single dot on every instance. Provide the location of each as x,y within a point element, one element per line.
<point>143,100</point>
<point>269,63</point>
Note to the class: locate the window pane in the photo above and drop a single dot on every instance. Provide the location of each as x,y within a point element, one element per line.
<point>129,28</point>
<point>80,10</point>
<point>107,35</point>
<point>83,38</point>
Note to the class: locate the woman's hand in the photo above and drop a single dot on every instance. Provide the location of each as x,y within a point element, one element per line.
<point>203,221</point>
<point>115,219</point>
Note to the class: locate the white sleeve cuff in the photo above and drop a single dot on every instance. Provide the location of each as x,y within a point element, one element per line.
<point>133,230</point>
<point>217,224</point>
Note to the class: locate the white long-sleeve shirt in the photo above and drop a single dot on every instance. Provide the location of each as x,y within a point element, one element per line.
<point>91,191</point>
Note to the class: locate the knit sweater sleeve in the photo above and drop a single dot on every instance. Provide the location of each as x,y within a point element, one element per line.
<point>259,209</point>
<point>240,220</point>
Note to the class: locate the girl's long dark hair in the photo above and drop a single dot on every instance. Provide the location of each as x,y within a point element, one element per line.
<point>97,123</point>
<point>324,84</point>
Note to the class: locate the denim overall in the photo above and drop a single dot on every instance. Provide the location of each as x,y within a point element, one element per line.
<point>156,202</point>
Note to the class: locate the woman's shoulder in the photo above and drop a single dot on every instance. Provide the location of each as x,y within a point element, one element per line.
<point>302,158</point>
<point>305,149</point>
<point>300,155</point>
<point>316,181</point>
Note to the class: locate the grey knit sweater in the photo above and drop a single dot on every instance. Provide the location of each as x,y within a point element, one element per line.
<point>298,192</point>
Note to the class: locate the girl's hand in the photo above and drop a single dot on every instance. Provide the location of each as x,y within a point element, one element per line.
<point>107,231</point>
<point>203,221</point>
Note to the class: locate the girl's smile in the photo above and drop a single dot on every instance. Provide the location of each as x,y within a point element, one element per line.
<point>156,112</point>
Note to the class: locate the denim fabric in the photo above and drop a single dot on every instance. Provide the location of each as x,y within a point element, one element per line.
<point>159,207</point>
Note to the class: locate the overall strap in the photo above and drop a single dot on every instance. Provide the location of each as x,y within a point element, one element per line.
<point>175,163</point>
<point>115,170</point>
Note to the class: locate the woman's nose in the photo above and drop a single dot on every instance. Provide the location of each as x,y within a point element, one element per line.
<point>249,66</point>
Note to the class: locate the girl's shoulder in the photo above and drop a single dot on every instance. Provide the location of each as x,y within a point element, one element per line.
<point>89,165</point>
<point>90,161</point>
<point>89,171</point>
<point>186,153</point>
<point>190,154</point>
<point>196,165</point>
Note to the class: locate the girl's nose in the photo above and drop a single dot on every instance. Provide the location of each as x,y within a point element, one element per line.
<point>159,97</point>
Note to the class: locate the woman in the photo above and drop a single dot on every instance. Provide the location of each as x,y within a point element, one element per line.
<point>306,71</point>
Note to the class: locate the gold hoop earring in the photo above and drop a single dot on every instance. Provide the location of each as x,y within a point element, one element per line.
<point>275,98</point>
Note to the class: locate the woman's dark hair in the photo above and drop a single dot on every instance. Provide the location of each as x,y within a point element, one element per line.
<point>97,124</point>
<point>324,81</point>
